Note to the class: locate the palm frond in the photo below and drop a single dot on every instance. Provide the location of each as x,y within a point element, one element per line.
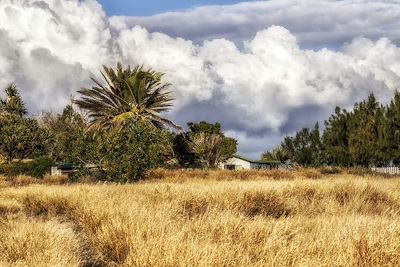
<point>130,94</point>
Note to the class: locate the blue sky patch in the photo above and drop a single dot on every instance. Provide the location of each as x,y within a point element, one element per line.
<point>151,7</point>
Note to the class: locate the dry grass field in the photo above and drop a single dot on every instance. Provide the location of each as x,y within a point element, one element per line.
<point>272,218</point>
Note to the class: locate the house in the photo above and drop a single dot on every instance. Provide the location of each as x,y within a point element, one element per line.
<point>68,168</point>
<point>242,163</point>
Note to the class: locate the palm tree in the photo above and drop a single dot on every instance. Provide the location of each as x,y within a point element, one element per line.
<point>131,94</point>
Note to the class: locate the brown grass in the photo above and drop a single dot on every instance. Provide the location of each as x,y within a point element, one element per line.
<point>23,180</point>
<point>276,219</point>
<point>55,179</point>
<point>219,175</point>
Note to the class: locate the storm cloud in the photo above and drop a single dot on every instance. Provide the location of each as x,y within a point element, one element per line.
<point>259,68</point>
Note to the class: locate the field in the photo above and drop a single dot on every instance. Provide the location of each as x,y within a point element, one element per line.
<point>271,218</point>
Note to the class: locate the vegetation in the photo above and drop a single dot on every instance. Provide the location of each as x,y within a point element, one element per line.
<point>277,154</point>
<point>129,153</point>
<point>204,145</point>
<point>366,136</point>
<point>120,128</point>
<point>36,168</point>
<point>305,217</point>
<point>283,219</point>
<point>70,141</point>
<point>20,137</point>
<point>130,94</point>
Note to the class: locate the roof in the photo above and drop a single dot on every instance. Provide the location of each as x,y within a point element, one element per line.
<point>256,161</point>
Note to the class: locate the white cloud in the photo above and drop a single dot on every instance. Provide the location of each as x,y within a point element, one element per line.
<point>316,23</point>
<point>266,87</point>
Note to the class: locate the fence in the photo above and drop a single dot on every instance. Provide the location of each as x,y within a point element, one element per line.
<point>388,170</point>
<point>55,171</point>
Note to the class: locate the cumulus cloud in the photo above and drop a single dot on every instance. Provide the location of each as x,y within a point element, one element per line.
<point>268,86</point>
<point>316,23</point>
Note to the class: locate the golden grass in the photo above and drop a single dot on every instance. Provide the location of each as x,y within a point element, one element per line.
<point>241,219</point>
<point>23,180</point>
<point>55,179</point>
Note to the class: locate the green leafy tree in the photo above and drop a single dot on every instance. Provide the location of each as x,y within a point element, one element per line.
<point>70,141</point>
<point>363,133</point>
<point>335,138</point>
<point>388,128</point>
<point>277,154</point>
<point>132,151</point>
<point>305,148</point>
<point>20,137</point>
<point>205,127</point>
<point>208,148</point>
<point>13,103</point>
<point>130,94</point>
<point>204,145</point>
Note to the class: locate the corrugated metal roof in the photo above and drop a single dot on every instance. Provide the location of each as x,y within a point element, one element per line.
<point>256,161</point>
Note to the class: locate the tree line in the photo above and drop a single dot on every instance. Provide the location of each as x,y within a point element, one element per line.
<point>368,135</point>
<point>118,126</point>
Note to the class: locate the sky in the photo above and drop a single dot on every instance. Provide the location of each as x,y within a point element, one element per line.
<point>152,7</point>
<point>264,69</point>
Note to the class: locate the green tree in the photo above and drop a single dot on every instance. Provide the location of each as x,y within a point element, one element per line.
<point>13,103</point>
<point>20,137</point>
<point>277,154</point>
<point>132,151</point>
<point>70,141</point>
<point>131,94</point>
<point>208,148</point>
<point>205,127</point>
<point>363,134</point>
<point>204,145</point>
<point>305,148</point>
<point>335,138</point>
<point>388,129</point>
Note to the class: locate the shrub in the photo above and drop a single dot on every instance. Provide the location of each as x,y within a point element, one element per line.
<point>131,152</point>
<point>36,168</point>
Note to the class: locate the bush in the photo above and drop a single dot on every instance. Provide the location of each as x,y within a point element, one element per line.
<point>130,153</point>
<point>36,168</point>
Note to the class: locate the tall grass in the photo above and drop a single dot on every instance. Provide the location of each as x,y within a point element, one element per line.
<point>208,219</point>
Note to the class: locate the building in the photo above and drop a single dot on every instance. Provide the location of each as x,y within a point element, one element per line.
<point>242,163</point>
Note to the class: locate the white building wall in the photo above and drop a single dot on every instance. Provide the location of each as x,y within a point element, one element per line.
<point>238,162</point>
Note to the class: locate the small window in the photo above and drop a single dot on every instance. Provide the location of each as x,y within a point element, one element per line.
<point>230,167</point>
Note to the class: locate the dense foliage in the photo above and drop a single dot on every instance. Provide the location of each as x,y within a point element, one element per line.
<point>21,137</point>
<point>203,145</point>
<point>129,94</point>
<point>130,152</point>
<point>366,136</point>
<point>121,133</point>
<point>71,142</point>
<point>36,168</point>
<point>117,134</point>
